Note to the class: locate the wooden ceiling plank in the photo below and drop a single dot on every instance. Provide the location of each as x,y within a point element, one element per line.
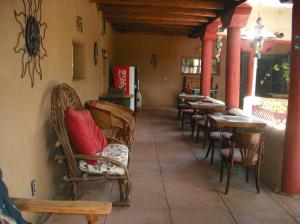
<point>160,26</point>
<point>154,22</point>
<point>154,32</point>
<point>194,4</point>
<point>156,18</point>
<point>152,29</point>
<point>118,9</point>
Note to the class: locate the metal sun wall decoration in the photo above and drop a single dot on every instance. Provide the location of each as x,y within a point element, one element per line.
<point>30,39</point>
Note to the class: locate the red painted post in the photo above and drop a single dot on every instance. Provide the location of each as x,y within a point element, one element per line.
<point>291,156</point>
<point>206,68</point>
<point>250,73</point>
<point>232,93</point>
<point>234,21</point>
<point>208,35</point>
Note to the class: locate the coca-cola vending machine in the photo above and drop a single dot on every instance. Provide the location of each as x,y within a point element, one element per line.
<point>125,77</point>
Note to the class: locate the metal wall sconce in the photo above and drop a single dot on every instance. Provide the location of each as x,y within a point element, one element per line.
<point>154,60</point>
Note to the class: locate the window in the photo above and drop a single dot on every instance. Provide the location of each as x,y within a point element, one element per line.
<point>78,62</point>
<point>190,66</point>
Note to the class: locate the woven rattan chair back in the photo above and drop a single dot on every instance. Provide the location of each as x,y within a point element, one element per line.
<point>62,97</point>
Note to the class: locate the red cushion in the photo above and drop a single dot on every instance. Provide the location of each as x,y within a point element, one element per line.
<point>93,103</point>
<point>84,134</point>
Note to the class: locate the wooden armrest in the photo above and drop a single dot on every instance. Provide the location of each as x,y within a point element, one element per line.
<point>92,209</point>
<point>64,207</point>
<point>120,117</point>
<point>109,139</point>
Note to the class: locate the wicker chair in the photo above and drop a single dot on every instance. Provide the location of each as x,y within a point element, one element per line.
<point>120,119</point>
<point>64,96</point>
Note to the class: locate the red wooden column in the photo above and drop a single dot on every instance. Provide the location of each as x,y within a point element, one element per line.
<point>291,156</point>
<point>234,21</point>
<point>250,69</point>
<point>206,66</point>
<point>208,36</point>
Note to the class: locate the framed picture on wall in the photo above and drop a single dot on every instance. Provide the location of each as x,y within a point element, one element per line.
<point>215,67</point>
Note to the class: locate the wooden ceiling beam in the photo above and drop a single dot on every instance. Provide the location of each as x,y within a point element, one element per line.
<point>156,18</point>
<point>117,9</point>
<point>161,26</point>
<point>153,22</point>
<point>193,4</point>
<point>170,33</point>
<point>152,29</point>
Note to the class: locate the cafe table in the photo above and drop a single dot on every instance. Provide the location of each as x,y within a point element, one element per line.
<point>236,121</point>
<point>191,97</point>
<point>208,106</point>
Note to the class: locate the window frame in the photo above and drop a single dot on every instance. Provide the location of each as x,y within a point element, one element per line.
<point>182,65</point>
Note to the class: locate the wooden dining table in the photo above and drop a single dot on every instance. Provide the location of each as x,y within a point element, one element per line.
<point>202,105</point>
<point>236,121</point>
<point>190,97</point>
<point>208,105</point>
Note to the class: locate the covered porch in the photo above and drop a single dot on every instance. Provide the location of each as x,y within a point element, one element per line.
<point>171,46</point>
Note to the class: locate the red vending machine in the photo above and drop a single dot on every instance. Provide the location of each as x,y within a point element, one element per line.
<point>125,78</point>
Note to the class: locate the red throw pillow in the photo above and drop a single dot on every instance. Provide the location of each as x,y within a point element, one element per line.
<point>93,103</point>
<point>84,134</point>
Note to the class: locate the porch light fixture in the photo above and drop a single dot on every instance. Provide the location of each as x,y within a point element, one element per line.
<point>257,36</point>
<point>218,43</point>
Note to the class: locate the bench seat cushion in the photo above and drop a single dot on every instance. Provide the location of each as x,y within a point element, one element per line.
<point>117,152</point>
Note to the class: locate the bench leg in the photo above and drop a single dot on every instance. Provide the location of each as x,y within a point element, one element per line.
<point>124,188</point>
<point>92,219</point>
<point>74,190</point>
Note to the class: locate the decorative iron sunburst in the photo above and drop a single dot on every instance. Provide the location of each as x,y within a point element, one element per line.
<point>30,39</point>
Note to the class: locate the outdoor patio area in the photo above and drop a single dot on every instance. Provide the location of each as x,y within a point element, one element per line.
<point>173,183</point>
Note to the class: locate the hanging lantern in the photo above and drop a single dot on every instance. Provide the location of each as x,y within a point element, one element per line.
<point>259,38</point>
<point>218,44</point>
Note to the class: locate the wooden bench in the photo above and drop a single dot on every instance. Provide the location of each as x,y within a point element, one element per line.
<point>91,209</point>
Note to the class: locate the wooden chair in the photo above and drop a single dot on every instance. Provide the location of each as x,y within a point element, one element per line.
<point>196,118</point>
<point>181,105</point>
<point>64,96</point>
<point>246,150</point>
<point>214,136</point>
<point>91,209</point>
<point>204,124</point>
<point>188,112</point>
<point>118,118</point>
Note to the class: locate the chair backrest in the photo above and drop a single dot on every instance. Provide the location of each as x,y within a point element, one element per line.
<point>250,145</point>
<point>101,116</point>
<point>64,96</point>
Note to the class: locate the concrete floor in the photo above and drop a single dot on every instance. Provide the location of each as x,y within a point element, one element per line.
<point>172,183</point>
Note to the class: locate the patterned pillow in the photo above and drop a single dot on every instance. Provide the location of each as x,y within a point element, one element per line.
<point>9,214</point>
